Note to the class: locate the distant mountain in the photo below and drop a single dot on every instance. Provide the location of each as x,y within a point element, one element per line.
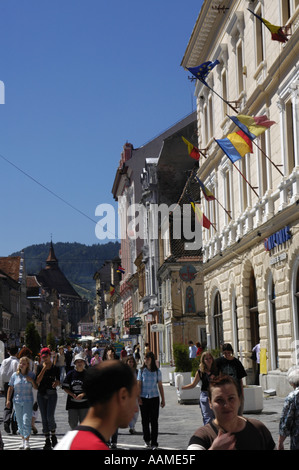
<point>77,261</point>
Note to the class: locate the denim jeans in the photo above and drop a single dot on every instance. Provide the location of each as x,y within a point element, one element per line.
<point>47,405</point>
<point>207,413</point>
<point>24,417</point>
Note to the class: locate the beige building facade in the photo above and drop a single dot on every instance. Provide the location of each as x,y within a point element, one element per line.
<point>251,253</point>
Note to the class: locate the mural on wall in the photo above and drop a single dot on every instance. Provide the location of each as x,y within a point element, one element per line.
<point>190,304</point>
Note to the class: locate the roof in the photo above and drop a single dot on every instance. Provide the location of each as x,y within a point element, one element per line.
<point>11,266</point>
<point>52,278</point>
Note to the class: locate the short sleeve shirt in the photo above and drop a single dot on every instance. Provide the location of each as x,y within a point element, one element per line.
<point>232,367</point>
<point>149,382</point>
<point>255,436</point>
<point>22,388</point>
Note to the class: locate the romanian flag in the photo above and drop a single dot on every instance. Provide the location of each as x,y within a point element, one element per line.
<point>202,71</point>
<point>192,150</point>
<point>252,127</point>
<point>202,219</point>
<point>209,196</point>
<point>120,270</point>
<point>276,31</point>
<point>235,146</point>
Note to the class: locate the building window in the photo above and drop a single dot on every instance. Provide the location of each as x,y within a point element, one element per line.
<point>259,39</point>
<point>290,145</point>
<point>227,193</point>
<point>273,326</point>
<point>253,312</point>
<point>288,8</point>
<point>264,184</point>
<point>287,105</point>
<point>224,92</point>
<point>240,66</point>
<point>218,321</point>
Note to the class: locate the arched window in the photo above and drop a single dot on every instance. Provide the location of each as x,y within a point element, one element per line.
<point>273,325</point>
<point>218,321</point>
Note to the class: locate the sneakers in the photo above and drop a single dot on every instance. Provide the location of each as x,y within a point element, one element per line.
<point>26,445</point>
<point>54,440</point>
<point>132,431</point>
<point>47,445</point>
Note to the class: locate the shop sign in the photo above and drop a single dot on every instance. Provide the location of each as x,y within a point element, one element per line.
<point>157,327</point>
<point>277,238</point>
<point>278,258</point>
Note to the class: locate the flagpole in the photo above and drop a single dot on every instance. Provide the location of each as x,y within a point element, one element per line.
<point>243,177</point>
<point>227,102</point>
<point>268,158</point>
<point>265,154</point>
<point>223,208</point>
<point>246,180</point>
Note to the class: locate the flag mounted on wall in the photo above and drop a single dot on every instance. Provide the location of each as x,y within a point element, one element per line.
<point>254,126</point>
<point>192,150</point>
<point>209,196</point>
<point>277,32</point>
<point>235,146</point>
<point>202,219</point>
<point>120,270</point>
<point>202,71</point>
<point>112,289</point>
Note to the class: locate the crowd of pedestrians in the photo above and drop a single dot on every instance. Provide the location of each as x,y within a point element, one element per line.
<point>106,391</point>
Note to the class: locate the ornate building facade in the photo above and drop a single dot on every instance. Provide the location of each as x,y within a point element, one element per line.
<point>251,254</point>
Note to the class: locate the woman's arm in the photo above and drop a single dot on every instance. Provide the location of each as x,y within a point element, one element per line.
<point>9,394</point>
<point>161,390</point>
<point>192,384</point>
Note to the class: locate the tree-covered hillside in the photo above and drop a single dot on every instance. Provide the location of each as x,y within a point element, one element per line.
<point>77,261</point>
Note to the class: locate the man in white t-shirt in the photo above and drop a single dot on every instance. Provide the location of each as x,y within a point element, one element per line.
<point>8,367</point>
<point>192,350</point>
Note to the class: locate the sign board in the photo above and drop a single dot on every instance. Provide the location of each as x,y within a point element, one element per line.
<point>134,330</point>
<point>157,328</point>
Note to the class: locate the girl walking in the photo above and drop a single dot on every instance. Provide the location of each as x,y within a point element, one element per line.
<point>149,381</point>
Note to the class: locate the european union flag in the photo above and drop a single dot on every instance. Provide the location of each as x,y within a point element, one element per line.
<point>202,71</point>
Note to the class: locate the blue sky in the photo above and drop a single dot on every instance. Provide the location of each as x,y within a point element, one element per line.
<point>82,77</point>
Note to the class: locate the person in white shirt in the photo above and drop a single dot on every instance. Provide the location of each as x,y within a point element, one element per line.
<point>192,350</point>
<point>8,367</point>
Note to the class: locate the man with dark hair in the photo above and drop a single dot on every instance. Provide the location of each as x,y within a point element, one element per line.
<point>111,390</point>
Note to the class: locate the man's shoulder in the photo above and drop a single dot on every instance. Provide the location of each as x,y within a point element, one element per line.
<point>82,438</point>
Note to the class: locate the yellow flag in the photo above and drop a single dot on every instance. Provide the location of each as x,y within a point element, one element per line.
<point>263,361</point>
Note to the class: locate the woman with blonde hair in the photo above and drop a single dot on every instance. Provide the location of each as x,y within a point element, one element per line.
<point>207,371</point>
<point>21,384</point>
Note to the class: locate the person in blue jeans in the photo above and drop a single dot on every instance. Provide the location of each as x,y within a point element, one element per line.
<point>47,379</point>
<point>149,381</point>
<point>207,371</point>
<point>21,386</point>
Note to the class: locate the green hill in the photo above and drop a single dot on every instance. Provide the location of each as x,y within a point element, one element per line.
<point>77,261</point>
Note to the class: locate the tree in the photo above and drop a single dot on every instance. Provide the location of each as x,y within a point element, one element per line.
<point>51,341</point>
<point>32,338</point>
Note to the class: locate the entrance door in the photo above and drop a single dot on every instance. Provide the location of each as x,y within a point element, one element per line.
<point>254,316</point>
